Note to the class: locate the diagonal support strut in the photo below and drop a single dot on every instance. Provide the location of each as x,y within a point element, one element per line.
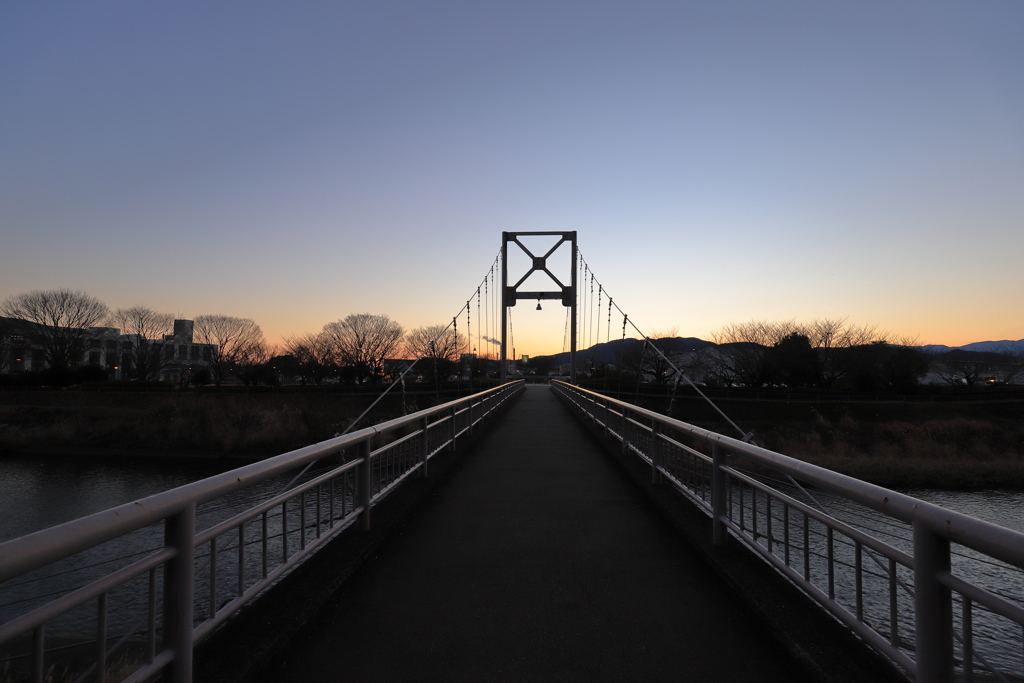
<point>511,294</point>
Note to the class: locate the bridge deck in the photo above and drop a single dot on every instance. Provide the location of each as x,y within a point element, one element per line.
<point>536,560</point>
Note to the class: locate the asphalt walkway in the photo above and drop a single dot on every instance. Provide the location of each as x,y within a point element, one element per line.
<point>536,560</point>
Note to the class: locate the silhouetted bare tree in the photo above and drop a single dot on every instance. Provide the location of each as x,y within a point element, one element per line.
<point>903,366</point>
<point>819,353</point>
<point>251,364</point>
<point>958,367</point>
<point>662,366</point>
<point>362,341</point>
<point>315,355</point>
<point>1011,368</point>
<point>742,353</point>
<point>440,347</point>
<point>61,319</point>
<point>232,339</point>
<point>146,328</point>
<point>831,338</point>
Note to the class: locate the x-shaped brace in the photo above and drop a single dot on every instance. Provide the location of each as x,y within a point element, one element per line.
<point>539,263</point>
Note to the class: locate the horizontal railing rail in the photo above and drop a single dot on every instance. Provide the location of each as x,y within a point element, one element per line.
<point>980,395</point>
<point>897,594</point>
<point>185,595</point>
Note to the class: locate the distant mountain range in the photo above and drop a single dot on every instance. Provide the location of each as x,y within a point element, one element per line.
<point>996,346</point>
<point>608,352</point>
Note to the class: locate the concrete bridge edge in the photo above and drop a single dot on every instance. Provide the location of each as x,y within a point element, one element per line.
<point>796,622</point>
<point>243,646</point>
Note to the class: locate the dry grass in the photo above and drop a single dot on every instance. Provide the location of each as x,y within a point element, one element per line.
<point>897,445</point>
<point>119,668</point>
<point>211,423</point>
<point>955,452</point>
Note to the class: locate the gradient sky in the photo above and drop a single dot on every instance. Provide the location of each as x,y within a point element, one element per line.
<point>721,162</point>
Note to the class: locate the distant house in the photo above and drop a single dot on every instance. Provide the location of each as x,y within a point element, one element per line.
<point>22,350</point>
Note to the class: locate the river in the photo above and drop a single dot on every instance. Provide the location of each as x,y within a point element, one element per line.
<point>40,492</point>
<point>43,491</point>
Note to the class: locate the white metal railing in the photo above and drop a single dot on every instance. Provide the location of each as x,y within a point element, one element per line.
<point>234,558</point>
<point>897,591</point>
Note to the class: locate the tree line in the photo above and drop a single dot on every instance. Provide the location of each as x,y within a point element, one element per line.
<point>824,354</point>
<point>356,349</point>
<point>62,324</point>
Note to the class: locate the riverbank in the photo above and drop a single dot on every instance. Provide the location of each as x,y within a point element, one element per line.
<point>185,424</point>
<point>959,446</point>
<point>898,445</point>
<point>952,453</point>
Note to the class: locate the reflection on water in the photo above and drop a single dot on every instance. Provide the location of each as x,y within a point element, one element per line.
<point>37,493</point>
<point>40,492</point>
<point>1005,508</point>
<point>996,640</point>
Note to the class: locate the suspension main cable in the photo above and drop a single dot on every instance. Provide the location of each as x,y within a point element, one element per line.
<point>590,319</point>
<point>287,486</point>
<point>583,316</point>
<point>469,343</point>
<point>746,436</point>
<point>455,329</point>
<point>497,309</point>
<point>590,312</point>
<point>608,335</point>
<point>586,313</point>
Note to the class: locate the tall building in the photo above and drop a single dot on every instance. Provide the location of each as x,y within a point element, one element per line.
<point>23,348</point>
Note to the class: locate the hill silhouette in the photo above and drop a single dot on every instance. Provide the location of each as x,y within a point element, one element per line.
<point>610,352</point>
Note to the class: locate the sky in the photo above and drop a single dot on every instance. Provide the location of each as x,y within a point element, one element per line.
<point>295,163</point>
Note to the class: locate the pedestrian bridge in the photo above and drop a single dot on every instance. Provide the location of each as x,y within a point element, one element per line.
<point>534,557</point>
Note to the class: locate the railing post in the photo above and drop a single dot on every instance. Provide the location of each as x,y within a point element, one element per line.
<point>179,589</point>
<point>655,452</point>
<point>719,494</point>
<point>455,430</point>
<point>625,444</point>
<point>365,481</point>
<point>424,446</point>
<point>38,652</point>
<point>101,639</point>
<point>933,607</point>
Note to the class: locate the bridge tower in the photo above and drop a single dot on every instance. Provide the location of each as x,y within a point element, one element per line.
<point>511,294</point>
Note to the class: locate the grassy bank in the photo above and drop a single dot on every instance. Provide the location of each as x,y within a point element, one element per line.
<point>897,445</point>
<point>229,423</point>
